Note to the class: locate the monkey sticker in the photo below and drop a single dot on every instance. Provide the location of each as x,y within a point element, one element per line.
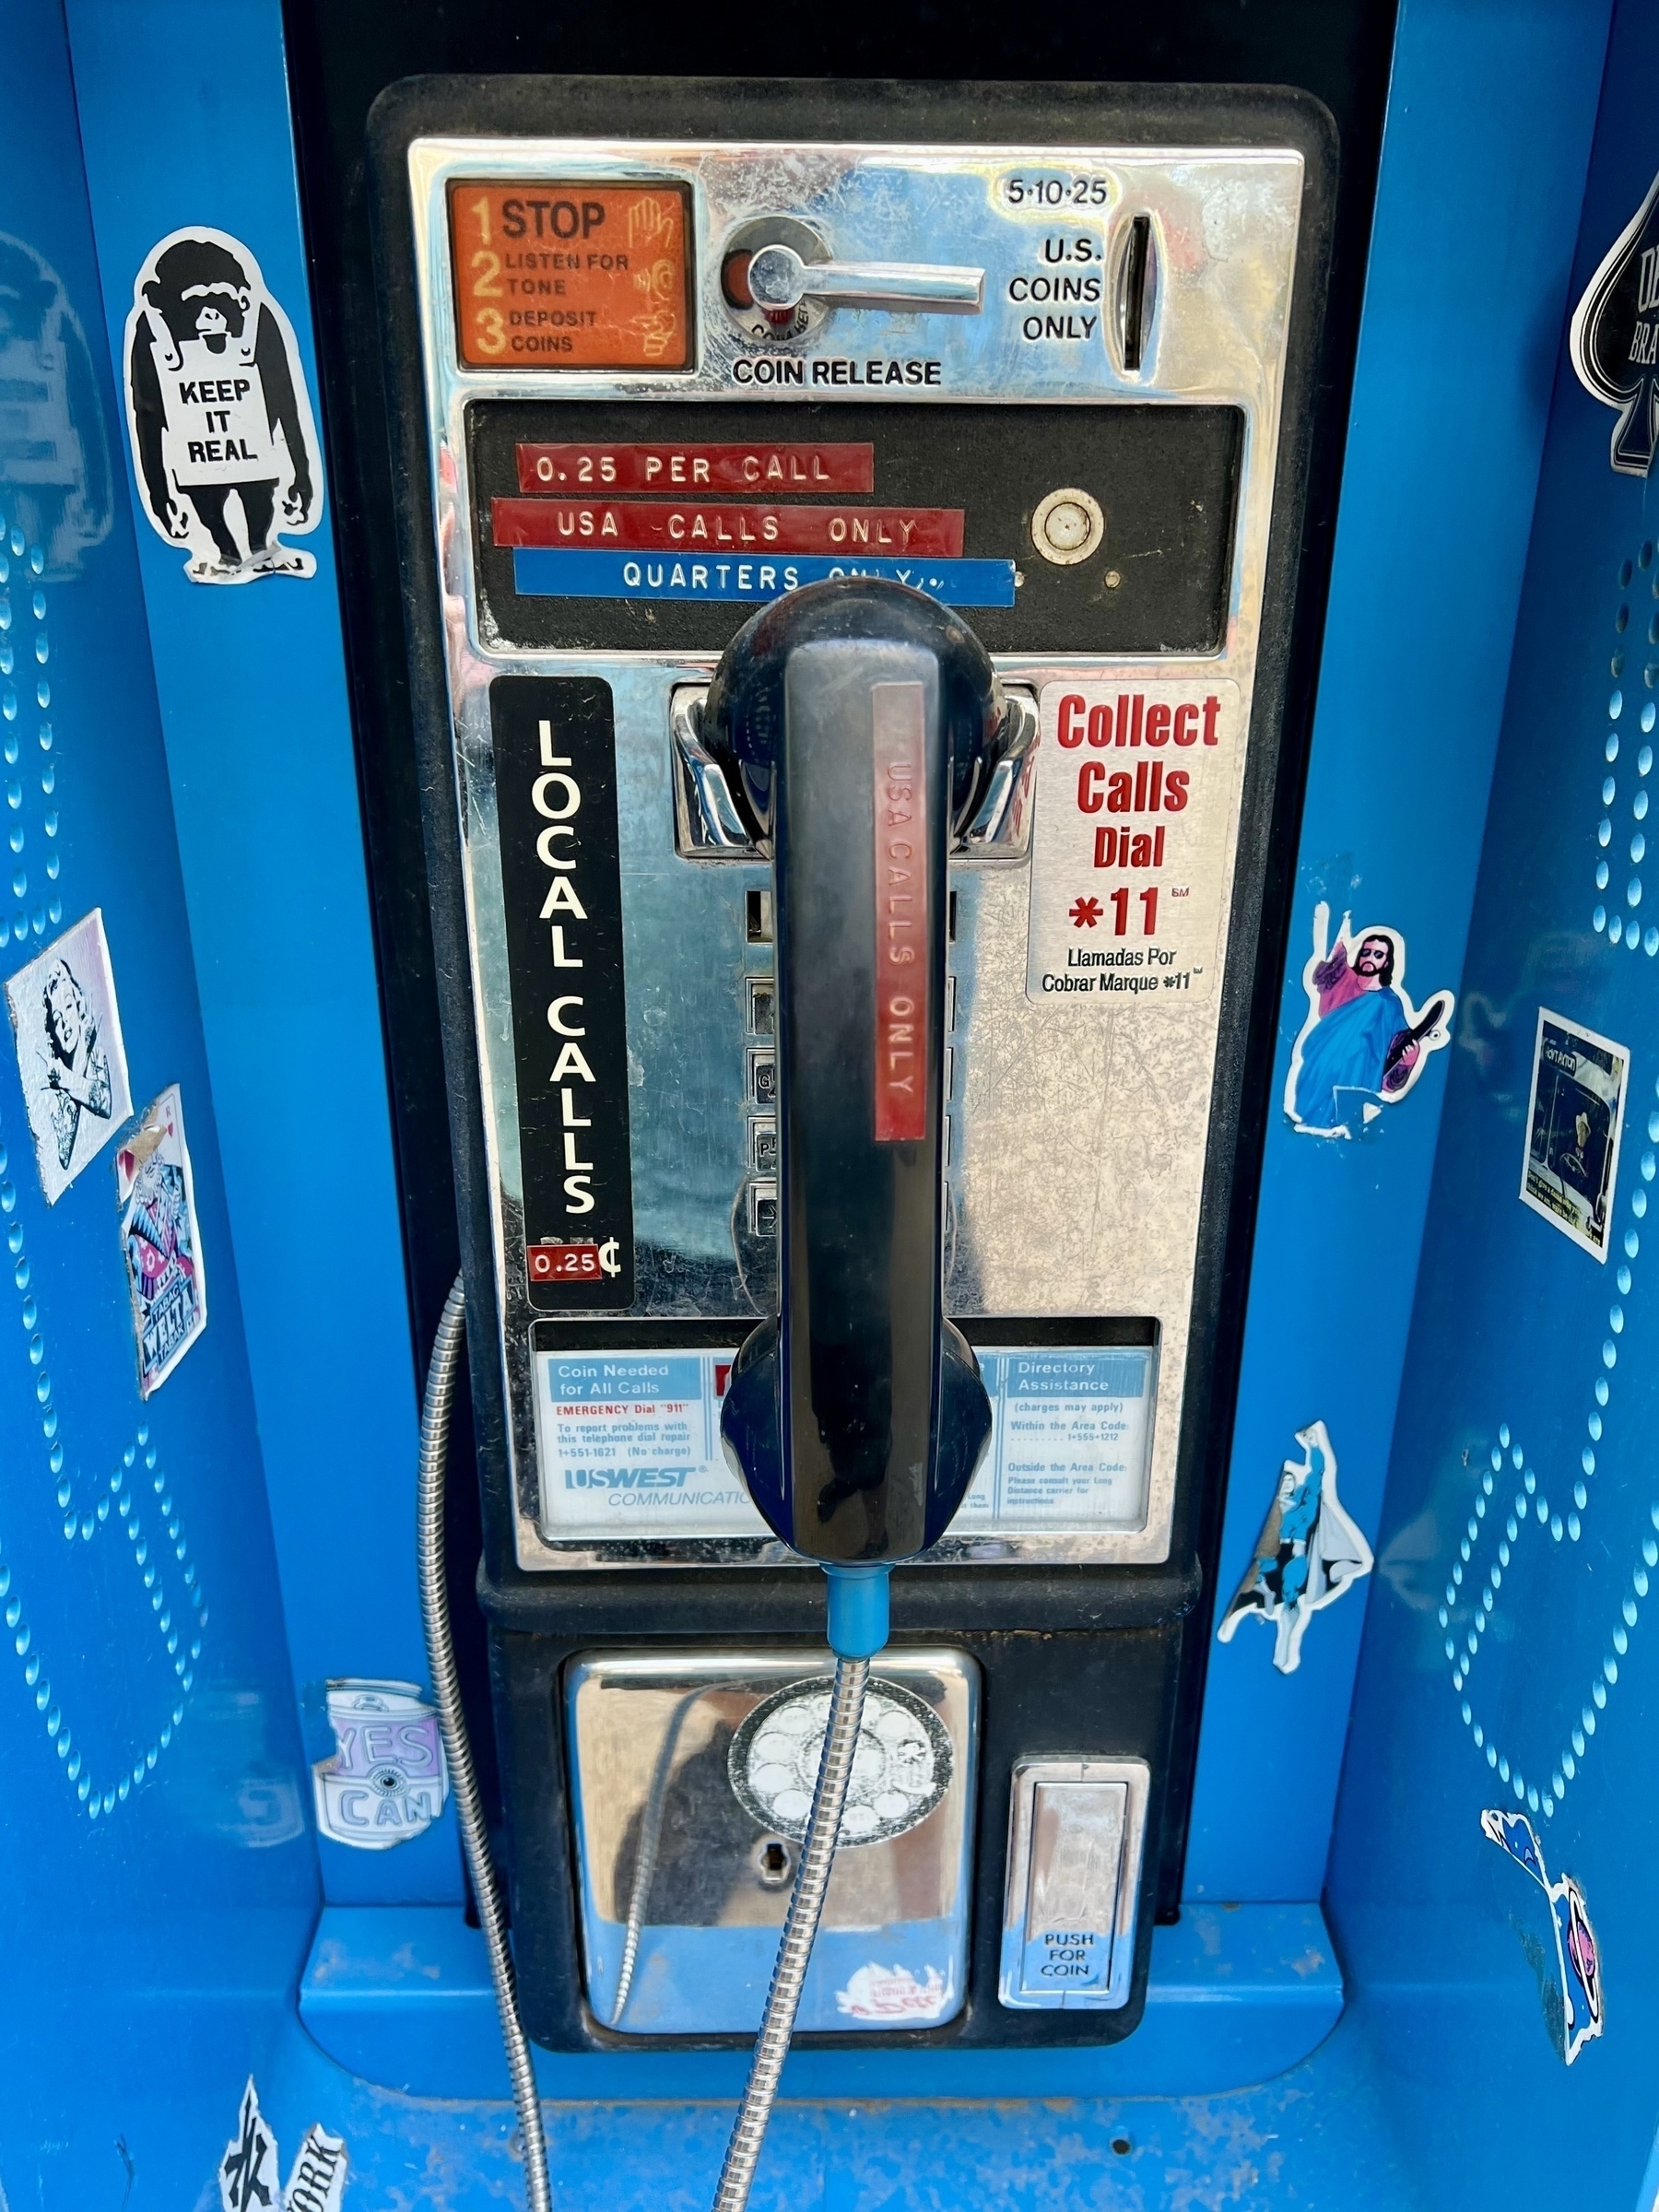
<point>223,441</point>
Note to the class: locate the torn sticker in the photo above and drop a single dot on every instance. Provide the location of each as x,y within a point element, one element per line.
<point>1574,1121</point>
<point>1363,1043</point>
<point>891,1992</point>
<point>70,1054</point>
<point>1578,1960</point>
<point>160,1240</point>
<point>316,2180</point>
<point>1308,1553</point>
<point>387,1779</point>
<point>224,446</point>
<point>248,2175</point>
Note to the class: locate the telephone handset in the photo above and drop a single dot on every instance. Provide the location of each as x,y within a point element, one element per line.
<point>859,726</point>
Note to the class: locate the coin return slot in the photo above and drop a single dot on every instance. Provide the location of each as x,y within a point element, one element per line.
<point>774,1863</point>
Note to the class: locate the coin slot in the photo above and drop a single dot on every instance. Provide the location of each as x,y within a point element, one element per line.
<point>758,920</point>
<point>1136,293</point>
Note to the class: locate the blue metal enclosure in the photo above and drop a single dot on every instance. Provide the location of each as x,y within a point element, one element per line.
<point>1417,1941</point>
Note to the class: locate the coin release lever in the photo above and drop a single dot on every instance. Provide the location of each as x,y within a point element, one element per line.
<point>779,279</point>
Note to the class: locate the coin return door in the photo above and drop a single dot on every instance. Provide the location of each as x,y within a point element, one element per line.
<point>693,1778</point>
<point>655,377</point>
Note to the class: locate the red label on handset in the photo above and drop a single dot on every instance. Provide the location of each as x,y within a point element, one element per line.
<point>898,714</point>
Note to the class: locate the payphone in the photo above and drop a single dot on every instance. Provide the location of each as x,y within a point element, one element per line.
<point>977,417</point>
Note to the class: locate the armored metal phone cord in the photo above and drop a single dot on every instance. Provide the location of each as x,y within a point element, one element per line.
<point>800,1929</point>
<point>446,1687</point>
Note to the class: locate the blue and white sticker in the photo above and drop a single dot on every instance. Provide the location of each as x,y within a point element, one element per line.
<point>1310,1551</point>
<point>387,1779</point>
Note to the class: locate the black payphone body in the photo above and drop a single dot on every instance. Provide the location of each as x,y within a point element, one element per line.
<point>664,352</point>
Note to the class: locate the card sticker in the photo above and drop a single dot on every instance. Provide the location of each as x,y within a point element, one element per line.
<point>1129,850</point>
<point>388,1778</point>
<point>1363,1044</point>
<point>1574,1122</point>
<point>224,446</point>
<point>1614,338</point>
<point>70,1054</point>
<point>247,2172</point>
<point>1578,1960</point>
<point>159,1240</point>
<point>1308,1553</point>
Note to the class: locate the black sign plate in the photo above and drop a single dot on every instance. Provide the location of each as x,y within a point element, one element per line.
<point>1165,479</point>
<point>555,801</point>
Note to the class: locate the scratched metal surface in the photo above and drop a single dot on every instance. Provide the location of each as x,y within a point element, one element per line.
<point>1075,1184</point>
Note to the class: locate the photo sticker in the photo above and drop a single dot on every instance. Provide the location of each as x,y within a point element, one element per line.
<point>1574,1119</point>
<point>161,1242</point>
<point>70,1056</point>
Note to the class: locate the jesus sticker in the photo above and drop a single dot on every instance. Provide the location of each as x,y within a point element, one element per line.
<point>1363,1044</point>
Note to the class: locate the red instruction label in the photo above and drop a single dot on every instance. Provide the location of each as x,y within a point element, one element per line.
<point>751,468</point>
<point>672,526</point>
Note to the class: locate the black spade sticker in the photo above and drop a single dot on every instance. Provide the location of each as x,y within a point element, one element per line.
<point>1615,337</point>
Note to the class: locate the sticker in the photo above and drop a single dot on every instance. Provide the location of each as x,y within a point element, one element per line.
<point>1308,1553</point>
<point>726,526</point>
<point>901,1769</point>
<point>581,276</point>
<point>1363,1044</point>
<point>70,1054</point>
<point>1614,338</point>
<point>751,468</point>
<point>1129,854</point>
<point>388,1778</point>
<point>629,1446</point>
<point>247,2173</point>
<point>561,884</point>
<point>1574,1121</point>
<point>893,1993</point>
<point>628,1443</point>
<point>1577,1960</point>
<point>1071,1440</point>
<point>54,454</point>
<point>541,573</point>
<point>160,1240</point>
<point>224,446</point>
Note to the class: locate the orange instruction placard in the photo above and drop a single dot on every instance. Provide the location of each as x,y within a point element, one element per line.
<point>572,276</point>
